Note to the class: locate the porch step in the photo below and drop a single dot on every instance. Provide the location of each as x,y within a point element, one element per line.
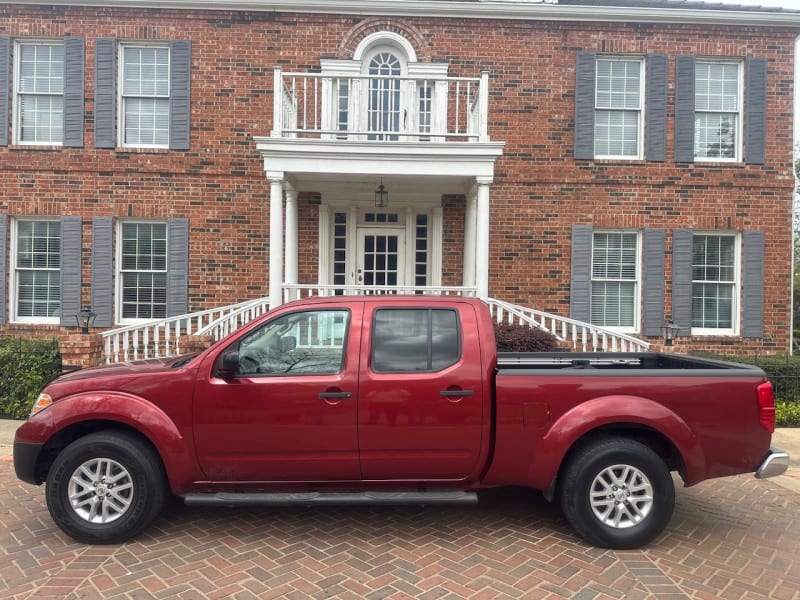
<point>332,498</point>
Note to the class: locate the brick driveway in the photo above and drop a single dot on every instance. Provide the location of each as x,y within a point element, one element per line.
<point>732,538</point>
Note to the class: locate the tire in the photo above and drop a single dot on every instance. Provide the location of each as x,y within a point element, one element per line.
<point>617,493</point>
<point>106,487</point>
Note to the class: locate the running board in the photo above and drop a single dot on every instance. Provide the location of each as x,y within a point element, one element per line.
<point>331,498</point>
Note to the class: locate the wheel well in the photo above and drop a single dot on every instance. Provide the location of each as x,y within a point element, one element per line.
<point>66,436</point>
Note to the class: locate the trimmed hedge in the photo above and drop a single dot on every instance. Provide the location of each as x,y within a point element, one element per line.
<point>25,367</point>
<point>521,338</point>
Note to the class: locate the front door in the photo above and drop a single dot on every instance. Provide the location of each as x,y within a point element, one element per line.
<point>381,257</point>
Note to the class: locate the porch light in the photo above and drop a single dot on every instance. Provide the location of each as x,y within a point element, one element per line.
<point>85,318</point>
<point>670,332</point>
<point>381,196</point>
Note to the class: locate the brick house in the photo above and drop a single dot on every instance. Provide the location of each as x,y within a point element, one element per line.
<point>619,163</point>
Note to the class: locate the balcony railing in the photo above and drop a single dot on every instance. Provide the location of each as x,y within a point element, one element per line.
<point>380,108</point>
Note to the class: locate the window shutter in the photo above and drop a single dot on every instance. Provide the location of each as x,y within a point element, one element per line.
<point>177,266</point>
<point>753,285</point>
<point>656,108</point>
<point>70,270</point>
<point>74,52</point>
<point>3,272</point>
<point>105,93</point>
<point>682,280</point>
<point>653,314</point>
<point>580,294</point>
<point>5,73</point>
<point>102,271</point>
<point>584,105</point>
<point>755,115</point>
<point>684,108</point>
<point>179,96</point>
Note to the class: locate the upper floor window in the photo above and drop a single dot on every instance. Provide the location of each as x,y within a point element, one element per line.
<point>37,276</point>
<point>145,96</point>
<point>615,275</point>
<point>383,105</point>
<point>714,283</point>
<point>717,116</point>
<point>39,97</point>
<point>618,108</point>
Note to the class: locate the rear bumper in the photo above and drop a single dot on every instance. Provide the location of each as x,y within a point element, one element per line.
<point>775,463</point>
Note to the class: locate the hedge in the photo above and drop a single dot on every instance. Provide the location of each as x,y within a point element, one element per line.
<point>25,367</point>
<point>521,338</point>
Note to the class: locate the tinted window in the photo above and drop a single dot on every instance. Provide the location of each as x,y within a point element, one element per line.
<point>412,340</point>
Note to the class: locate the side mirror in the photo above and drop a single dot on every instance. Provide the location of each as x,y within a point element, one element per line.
<point>230,365</point>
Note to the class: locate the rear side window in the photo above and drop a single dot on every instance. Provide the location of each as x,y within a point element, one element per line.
<point>409,340</point>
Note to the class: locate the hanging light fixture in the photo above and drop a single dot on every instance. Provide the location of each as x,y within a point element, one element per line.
<point>381,196</point>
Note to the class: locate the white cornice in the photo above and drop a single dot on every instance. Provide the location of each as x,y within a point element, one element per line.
<point>483,9</point>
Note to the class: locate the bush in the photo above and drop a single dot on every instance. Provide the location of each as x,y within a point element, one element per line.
<point>25,367</point>
<point>787,414</point>
<point>521,338</point>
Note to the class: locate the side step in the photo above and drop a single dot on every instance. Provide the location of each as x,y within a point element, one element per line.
<point>332,498</point>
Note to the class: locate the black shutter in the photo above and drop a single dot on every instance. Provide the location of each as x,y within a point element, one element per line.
<point>3,272</point>
<point>102,271</point>
<point>70,270</point>
<point>179,94</point>
<point>684,108</point>
<point>682,240</point>
<point>105,93</point>
<point>753,284</point>
<point>584,105</point>
<point>74,70</point>
<point>177,267</point>
<point>755,106</point>
<point>656,108</point>
<point>580,296</point>
<point>5,78</point>
<point>653,292</point>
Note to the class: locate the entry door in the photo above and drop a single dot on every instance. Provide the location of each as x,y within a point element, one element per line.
<point>381,257</point>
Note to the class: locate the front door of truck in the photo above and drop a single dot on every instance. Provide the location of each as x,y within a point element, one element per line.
<point>289,412</point>
<point>422,409</point>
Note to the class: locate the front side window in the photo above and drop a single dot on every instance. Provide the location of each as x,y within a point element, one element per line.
<point>713,283</point>
<point>415,340</point>
<point>143,270</point>
<point>614,279</point>
<point>37,278</point>
<point>145,91</point>
<point>39,94</point>
<point>618,108</point>
<point>717,110</point>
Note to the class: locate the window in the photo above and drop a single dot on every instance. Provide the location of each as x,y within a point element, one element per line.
<point>143,270</point>
<point>145,96</point>
<point>415,340</point>
<point>618,108</point>
<point>714,283</point>
<point>383,108</point>
<point>717,108</point>
<point>39,94</point>
<point>614,279</point>
<point>37,276</point>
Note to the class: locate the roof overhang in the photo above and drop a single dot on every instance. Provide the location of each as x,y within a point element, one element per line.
<point>482,9</point>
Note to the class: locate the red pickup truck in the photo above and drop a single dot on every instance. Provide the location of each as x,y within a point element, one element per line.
<point>389,399</point>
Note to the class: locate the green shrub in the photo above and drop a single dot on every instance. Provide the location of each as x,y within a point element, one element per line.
<point>25,367</point>
<point>787,414</point>
<point>521,338</point>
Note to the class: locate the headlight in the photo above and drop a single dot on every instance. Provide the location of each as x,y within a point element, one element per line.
<point>42,402</point>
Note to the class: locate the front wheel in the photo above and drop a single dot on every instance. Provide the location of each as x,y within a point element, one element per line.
<point>617,493</point>
<point>105,488</point>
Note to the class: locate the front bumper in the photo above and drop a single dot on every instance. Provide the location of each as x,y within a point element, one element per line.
<point>26,455</point>
<point>775,463</point>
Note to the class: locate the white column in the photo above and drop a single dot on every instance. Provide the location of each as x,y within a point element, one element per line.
<point>275,238</point>
<point>435,248</point>
<point>325,247</point>
<point>291,237</point>
<point>482,238</point>
<point>468,277</point>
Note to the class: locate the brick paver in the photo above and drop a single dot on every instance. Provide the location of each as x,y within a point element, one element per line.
<point>735,538</point>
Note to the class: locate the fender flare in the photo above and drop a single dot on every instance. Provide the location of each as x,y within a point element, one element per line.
<point>605,411</point>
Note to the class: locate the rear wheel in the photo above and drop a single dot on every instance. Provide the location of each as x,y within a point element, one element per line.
<point>106,487</point>
<point>617,493</point>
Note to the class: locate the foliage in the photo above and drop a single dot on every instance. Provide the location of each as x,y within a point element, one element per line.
<point>521,338</point>
<point>25,367</point>
<point>787,414</point>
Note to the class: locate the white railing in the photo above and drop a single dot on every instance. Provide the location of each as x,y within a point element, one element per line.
<point>318,105</point>
<point>296,291</point>
<point>230,322</point>
<point>581,336</point>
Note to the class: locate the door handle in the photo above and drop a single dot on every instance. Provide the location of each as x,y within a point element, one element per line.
<point>334,395</point>
<point>456,393</point>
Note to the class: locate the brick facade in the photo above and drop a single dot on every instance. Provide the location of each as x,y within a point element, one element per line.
<point>539,192</point>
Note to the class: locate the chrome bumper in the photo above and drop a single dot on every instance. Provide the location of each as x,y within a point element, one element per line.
<point>775,463</point>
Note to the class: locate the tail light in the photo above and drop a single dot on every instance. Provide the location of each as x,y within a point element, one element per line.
<point>766,407</point>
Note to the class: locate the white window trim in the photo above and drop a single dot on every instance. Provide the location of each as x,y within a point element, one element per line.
<point>118,292</point>
<point>637,290</point>
<point>737,285</point>
<point>739,146</point>
<point>13,279</point>
<point>121,98</point>
<point>640,110</point>
<point>16,126</point>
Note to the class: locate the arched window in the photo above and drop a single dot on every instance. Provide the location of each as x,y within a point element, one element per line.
<point>384,107</point>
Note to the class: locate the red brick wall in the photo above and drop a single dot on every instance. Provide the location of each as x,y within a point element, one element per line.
<point>539,190</point>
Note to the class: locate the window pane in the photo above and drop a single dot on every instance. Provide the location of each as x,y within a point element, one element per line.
<point>614,256</point>
<point>38,262</point>
<point>41,69</point>
<point>146,72</point>
<point>39,294</point>
<point>146,122</point>
<point>616,133</point>
<point>715,135</point>
<point>445,339</point>
<point>41,119</point>
<point>713,281</point>
<point>613,304</point>
<point>618,84</point>
<point>717,87</point>
<point>713,258</point>
<point>143,263</point>
<point>712,305</point>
